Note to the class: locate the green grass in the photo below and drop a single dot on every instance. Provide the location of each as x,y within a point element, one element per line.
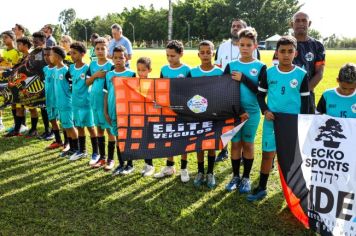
<point>41,194</point>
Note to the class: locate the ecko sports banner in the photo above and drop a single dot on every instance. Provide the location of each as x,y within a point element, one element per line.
<point>317,164</point>
<point>168,117</point>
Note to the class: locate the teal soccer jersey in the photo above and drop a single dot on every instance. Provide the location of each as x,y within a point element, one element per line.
<point>109,88</point>
<point>284,89</point>
<point>96,89</point>
<point>254,71</point>
<point>334,104</point>
<point>49,86</point>
<point>80,92</point>
<point>63,89</point>
<point>198,72</point>
<point>171,73</point>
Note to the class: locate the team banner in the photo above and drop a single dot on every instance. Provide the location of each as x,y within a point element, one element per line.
<point>168,117</point>
<point>317,164</point>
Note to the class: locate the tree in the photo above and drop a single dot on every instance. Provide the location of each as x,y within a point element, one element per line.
<point>314,34</point>
<point>331,129</point>
<point>65,19</point>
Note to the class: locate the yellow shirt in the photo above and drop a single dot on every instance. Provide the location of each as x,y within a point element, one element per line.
<point>11,56</point>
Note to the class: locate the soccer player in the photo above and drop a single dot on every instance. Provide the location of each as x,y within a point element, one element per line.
<point>287,91</point>
<point>62,90</point>
<point>253,71</point>
<point>82,113</point>
<point>96,79</point>
<point>175,69</point>
<point>207,68</point>
<point>143,69</point>
<point>341,101</point>
<point>52,111</point>
<point>119,59</point>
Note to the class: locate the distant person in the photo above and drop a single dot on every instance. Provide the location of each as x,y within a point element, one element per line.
<point>19,31</point>
<point>92,54</point>
<point>65,43</point>
<point>119,39</point>
<point>50,41</point>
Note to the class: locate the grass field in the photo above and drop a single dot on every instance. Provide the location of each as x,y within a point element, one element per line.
<point>41,194</point>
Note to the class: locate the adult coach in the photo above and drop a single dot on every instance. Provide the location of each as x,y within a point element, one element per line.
<point>19,31</point>
<point>50,41</point>
<point>119,39</point>
<point>228,50</point>
<point>311,53</point>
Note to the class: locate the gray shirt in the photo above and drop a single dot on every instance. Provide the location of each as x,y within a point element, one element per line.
<point>123,41</point>
<point>50,42</point>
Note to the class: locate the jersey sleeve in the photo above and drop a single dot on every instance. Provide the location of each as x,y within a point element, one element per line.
<point>227,70</point>
<point>189,75</point>
<point>320,54</point>
<point>161,75</point>
<point>304,88</point>
<point>321,107</point>
<point>262,93</point>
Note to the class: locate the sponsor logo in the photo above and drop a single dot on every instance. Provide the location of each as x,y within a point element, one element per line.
<point>332,129</point>
<point>253,72</point>
<point>309,56</point>
<point>198,104</point>
<point>353,108</point>
<point>293,83</point>
<point>61,77</point>
<point>82,76</point>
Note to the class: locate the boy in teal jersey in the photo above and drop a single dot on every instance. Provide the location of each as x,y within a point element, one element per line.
<point>341,101</point>
<point>207,68</point>
<point>253,71</point>
<point>287,91</point>
<point>63,94</point>
<point>82,113</point>
<point>143,70</point>
<point>96,80</point>
<point>52,111</point>
<point>119,59</point>
<point>175,69</point>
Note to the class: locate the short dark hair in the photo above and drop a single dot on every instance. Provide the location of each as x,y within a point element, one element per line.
<point>21,27</point>
<point>287,40</point>
<point>94,35</point>
<point>47,49</point>
<point>145,61</point>
<point>206,43</point>
<point>9,33</point>
<point>237,19</point>
<point>59,51</point>
<point>116,26</point>
<point>48,26</point>
<point>249,33</point>
<point>79,46</point>
<point>176,45</point>
<point>120,48</point>
<point>100,40</point>
<point>39,34</point>
<point>25,40</point>
<point>347,73</point>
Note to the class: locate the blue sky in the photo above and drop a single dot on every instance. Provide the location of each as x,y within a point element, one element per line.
<point>328,16</point>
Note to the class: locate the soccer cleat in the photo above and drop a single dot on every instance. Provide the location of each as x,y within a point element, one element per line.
<point>165,171</point>
<point>47,136</point>
<point>245,185</point>
<point>99,164</point>
<point>223,155</point>
<point>77,155</point>
<point>211,182</point>
<point>118,170</point>
<point>199,179</point>
<point>23,129</point>
<point>94,159</point>
<point>109,165</point>
<point>54,145</point>
<point>234,184</point>
<point>65,147</point>
<point>257,194</point>
<point>12,134</point>
<point>148,170</point>
<point>31,134</point>
<point>128,170</point>
<point>184,175</point>
<point>66,153</point>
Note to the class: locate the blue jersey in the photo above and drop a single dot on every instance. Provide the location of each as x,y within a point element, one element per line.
<point>334,104</point>
<point>63,89</point>
<point>171,73</point>
<point>198,72</point>
<point>80,92</point>
<point>96,89</point>
<point>49,86</point>
<point>254,71</point>
<point>284,89</point>
<point>109,88</point>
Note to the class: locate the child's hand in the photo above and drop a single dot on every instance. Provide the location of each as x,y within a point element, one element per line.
<point>107,118</point>
<point>236,76</point>
<point>244,116</point>
<point>268,115</point>
<point>99,74</point>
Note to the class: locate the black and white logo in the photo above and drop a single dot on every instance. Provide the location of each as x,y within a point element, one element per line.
<point>332,129</point>
<point>253,72</point>
<point>309,56</point>
<point>353,108</point>
<point>293,83</point>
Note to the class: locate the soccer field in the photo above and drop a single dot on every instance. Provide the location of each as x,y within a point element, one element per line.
<point>43,194</point>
